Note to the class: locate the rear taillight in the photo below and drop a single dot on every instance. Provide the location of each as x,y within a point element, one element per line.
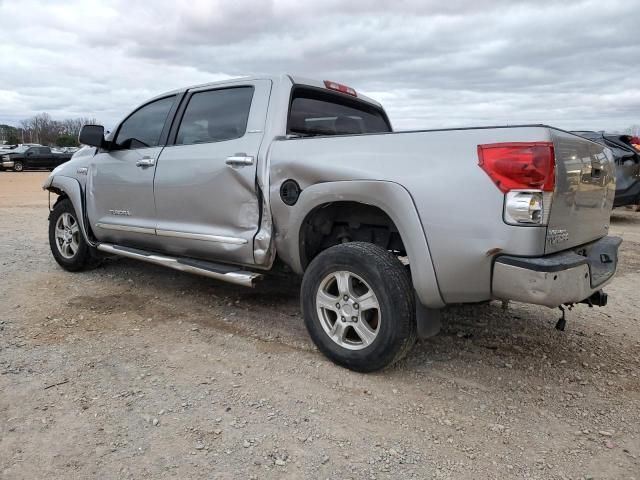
<point>338,87</point>
<point>525,173</point>
<point>519,165</point>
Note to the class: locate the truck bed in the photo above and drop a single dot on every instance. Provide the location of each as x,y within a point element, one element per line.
<point>460,208</point>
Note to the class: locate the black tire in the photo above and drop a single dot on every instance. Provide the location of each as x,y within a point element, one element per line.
<point>18,166</point>
<point>388,279</point>
<point>84,257</point>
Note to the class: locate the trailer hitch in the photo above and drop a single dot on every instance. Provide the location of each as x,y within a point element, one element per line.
<point>597,299</point>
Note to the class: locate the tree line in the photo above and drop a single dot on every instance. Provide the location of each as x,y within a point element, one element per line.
<point>43,129</point>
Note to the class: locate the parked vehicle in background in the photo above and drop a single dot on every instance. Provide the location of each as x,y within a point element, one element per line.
<point>627,159</point>
<point>7,148</point>
<point>5,155</point>
<point>21,147</point>
<point>232,179</point>
<point>33,158</point>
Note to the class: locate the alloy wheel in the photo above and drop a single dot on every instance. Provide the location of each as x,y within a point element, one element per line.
<point>348,309</point>
<point>67,235</point>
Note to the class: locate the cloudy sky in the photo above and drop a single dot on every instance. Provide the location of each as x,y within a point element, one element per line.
<point>432,63</point>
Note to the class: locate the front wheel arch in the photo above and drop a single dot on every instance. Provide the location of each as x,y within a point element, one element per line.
<point>70,188</point>
<point>68,246</point>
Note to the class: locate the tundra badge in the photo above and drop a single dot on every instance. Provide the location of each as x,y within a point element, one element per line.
<point>125,213</point>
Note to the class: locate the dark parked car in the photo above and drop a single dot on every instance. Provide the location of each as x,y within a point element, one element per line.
<point>33,157</point>
<point>627,158</point>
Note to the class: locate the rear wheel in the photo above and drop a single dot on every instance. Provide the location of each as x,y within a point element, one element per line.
<point>358,306</point>
<point>68,246</point>
<point>18,166</point>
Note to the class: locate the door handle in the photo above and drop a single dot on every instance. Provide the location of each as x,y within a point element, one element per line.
<point>239,160</point>
<point>145,162</point>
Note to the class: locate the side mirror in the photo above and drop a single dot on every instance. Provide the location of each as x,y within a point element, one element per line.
<point>92,135</point>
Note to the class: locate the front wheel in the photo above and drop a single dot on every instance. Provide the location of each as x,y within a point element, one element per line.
<point>18,166</point>
<point>359,306</point>
<point>68,245</point>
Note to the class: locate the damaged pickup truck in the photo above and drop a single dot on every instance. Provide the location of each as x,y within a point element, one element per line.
<point>233,179</point>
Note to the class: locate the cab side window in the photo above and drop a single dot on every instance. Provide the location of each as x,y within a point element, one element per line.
<point>143,128</point>
<point>215,116</point>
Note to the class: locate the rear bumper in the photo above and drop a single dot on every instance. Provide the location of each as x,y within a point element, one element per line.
<point>552,280</point>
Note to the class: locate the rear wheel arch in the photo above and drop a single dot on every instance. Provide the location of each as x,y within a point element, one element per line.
<point>333,223</point>
<point>391,198</point>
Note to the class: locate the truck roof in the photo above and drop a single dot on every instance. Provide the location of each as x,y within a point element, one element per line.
<point>284,77</point>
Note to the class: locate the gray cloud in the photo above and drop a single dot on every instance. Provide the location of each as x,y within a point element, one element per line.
<point>433,64</point>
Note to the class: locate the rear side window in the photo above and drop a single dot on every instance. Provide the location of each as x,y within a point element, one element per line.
<point>315,112</point>
<point>215,116</point>
<point>144,127</point>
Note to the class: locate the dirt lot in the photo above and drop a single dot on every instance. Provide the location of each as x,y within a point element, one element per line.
<point>133,371</point>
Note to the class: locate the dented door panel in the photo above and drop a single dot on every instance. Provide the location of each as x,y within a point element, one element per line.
<point>206,198</point>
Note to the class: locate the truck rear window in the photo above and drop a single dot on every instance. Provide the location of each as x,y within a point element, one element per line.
<point>316,112</point>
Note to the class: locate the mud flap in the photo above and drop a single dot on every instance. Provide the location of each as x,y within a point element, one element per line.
<point>429,320</point>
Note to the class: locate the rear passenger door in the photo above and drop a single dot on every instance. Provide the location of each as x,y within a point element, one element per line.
<point>205,182</point>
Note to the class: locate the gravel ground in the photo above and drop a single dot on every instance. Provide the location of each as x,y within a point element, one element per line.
<point>134,371</point>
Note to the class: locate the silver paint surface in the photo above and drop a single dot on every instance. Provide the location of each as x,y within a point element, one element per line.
<point>583,198</point>
<point>197,192</point>
<point>449,199</point>
<point>448,211</point>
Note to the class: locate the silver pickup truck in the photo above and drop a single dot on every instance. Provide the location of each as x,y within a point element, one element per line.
<point>233,179</point>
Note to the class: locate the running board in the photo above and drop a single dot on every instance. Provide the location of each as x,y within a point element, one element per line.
<point>226,273</point>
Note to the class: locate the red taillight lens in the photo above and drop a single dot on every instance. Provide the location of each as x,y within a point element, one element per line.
<point>338,87</point>
<point>515,166</point>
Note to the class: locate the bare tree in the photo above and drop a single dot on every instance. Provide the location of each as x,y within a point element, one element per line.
<point>41,128</point>
<point>72,126</point>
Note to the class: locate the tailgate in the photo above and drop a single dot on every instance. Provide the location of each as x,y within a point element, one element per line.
<point>584,193</point>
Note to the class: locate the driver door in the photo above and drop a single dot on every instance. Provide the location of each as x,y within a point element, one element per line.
<point>120,203</point>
